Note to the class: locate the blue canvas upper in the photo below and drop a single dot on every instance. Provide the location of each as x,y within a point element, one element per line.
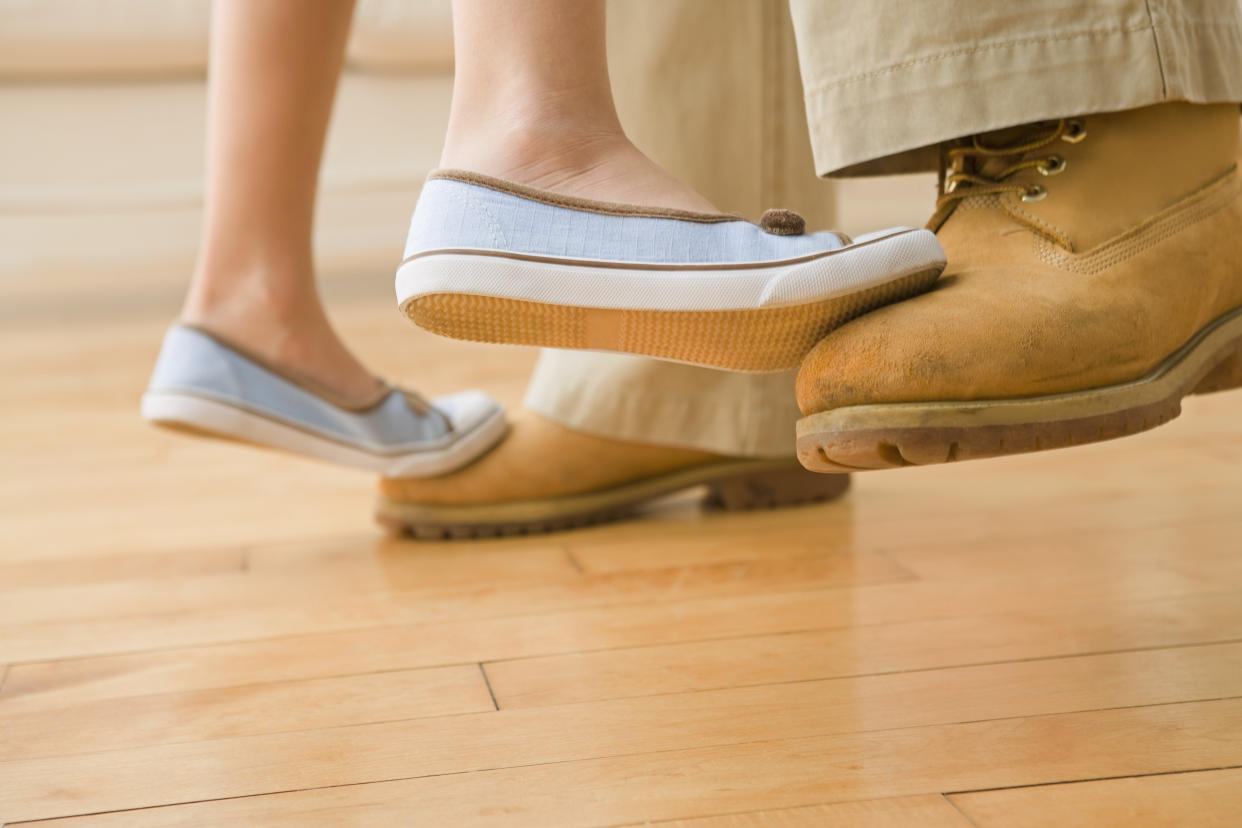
<point>454,214</point>
<point>194,362</point>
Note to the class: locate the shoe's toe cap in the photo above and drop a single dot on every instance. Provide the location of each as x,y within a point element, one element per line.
<point>467,410</point>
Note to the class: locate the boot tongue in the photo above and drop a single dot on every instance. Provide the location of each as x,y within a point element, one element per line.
<point>1014,135</point>
<point>992,166</point>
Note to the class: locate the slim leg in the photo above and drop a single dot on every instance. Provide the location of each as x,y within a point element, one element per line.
<point>532,103</point>
<point>273,76</point>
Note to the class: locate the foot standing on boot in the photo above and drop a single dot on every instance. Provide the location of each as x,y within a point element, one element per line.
<point>548,227</point>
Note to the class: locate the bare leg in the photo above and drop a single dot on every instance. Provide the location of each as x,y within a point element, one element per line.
<point>532,103</point>
<point>274,69</point>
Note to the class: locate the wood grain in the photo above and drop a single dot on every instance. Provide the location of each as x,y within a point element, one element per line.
<point>672,784</point>
<point>198,633</point>
<point>352,754</point>
<point>930,811</point>
<point>243,710</point>
<point>880,648</point>
<point>282,609</point>
<point>1207,799</point>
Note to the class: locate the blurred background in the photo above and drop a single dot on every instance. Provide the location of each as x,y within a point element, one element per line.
<point>101,165</point>
<point>193,621</point>
<point>101,158</point>
<point>101,154</point>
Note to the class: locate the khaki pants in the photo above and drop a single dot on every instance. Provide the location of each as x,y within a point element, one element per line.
<point>711,90</point>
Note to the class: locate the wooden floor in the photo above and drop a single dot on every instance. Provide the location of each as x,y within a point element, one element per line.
<point>199,633</point>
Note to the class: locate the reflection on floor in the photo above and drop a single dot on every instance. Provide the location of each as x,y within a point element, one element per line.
<point>199,633</point>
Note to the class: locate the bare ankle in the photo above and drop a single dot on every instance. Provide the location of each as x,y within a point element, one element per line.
<point>530,148</point>
<point>230,284</point>
<point>576,160</point>
<point>279,317</point>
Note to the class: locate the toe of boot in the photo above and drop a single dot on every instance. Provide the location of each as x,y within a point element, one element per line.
<point>890,355</point>
<point>994,333</point>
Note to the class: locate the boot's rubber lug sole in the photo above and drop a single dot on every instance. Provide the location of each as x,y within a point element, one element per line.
<point>759,339</point>
<point>731,486</point>
<point>886,436</point>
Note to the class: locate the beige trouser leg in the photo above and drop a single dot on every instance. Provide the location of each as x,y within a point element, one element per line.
<point>709,89</point>
<point>886,80</point>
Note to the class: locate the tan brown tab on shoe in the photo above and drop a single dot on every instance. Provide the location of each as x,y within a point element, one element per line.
<point>781,222</point>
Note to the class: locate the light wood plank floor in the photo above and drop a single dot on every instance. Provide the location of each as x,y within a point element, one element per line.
<point>201,634</point>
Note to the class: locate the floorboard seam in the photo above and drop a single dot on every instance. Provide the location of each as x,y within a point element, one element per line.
<point>948,799</point>
<point>457,619</point>
<point>783,808</point>
<point>573,560</point>
<point>253,684</point>
<point>749,742</point>
<point>511,710</point>
<point>488,682</point>
<point>689,691</point>
<point>496,703</point>
<point>965,666</point>
<point>950,794</point>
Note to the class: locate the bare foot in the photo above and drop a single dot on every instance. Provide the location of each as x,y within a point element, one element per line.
<point>291,331</point>
<point>603,167</point>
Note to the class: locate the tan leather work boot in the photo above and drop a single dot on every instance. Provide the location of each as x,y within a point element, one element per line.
<point>546,477</point>
<point>1094,279</point>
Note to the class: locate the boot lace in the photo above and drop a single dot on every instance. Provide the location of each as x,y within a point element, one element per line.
<point>960,168</point>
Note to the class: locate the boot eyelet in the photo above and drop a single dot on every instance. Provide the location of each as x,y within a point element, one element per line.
<point>1053,165</point>
<point>1075,131</point>
<point>1034,193</point>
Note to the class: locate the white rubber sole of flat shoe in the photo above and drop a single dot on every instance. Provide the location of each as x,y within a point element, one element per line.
<point>742,317</point>
<point>211,418</point>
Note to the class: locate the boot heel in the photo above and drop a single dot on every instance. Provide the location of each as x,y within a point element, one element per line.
<point>1226,375</point>
<point>779,487</point>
